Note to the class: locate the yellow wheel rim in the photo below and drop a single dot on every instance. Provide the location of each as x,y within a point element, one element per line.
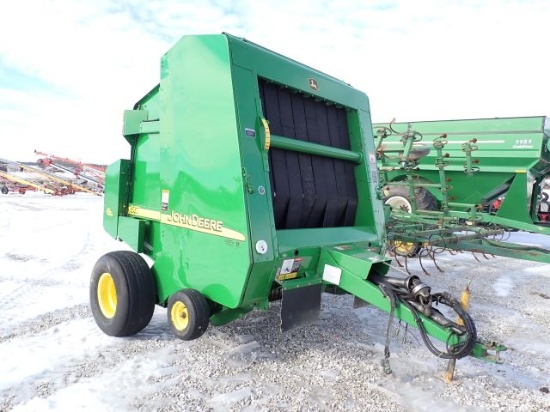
<point>399,203</point>
<point>179,316</point>
<point>106,295</point>
<point>404,248</point>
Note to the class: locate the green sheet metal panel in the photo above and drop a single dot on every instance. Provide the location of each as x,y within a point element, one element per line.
<point>284,71</point>
<point>115,198</point>
<point>504,144</point>
<point>505,147</point>
<point>200,174</point>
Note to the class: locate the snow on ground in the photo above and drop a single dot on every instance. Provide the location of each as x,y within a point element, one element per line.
<point>54,357</point>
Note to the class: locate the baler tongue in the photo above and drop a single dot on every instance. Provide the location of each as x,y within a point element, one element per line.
<point>362,274</point>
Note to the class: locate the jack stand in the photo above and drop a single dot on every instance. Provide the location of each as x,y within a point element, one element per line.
<point>465,303</point>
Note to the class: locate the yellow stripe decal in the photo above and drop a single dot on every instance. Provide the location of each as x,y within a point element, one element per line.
<point>141,212</point>
<point>191,222</point>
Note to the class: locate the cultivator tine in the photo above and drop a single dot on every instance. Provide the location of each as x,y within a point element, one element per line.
<point>432,255</point>
<point>397,259</point>
<point>433,250</point>
<point>475,256</point>
<point>420,262</point>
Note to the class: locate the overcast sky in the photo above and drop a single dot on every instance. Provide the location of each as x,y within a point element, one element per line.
<point>69,68</point>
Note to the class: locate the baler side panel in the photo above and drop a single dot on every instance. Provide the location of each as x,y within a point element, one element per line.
<point>146,155</point>
<point>115,197</point>
<point>204,235</point>
<point>362,140</point>
<point>256,175</point>
<point>146,163</point>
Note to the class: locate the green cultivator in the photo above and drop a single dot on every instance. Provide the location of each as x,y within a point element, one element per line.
<point>252,178</point>
<point>465,184</point>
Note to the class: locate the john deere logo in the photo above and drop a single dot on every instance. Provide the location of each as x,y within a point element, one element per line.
<point>313,84</point>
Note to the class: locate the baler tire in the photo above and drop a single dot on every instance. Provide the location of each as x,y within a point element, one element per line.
<point>122,293</point>
<point>399,196</point>
<point>5,190</point>
<point>188,314</point>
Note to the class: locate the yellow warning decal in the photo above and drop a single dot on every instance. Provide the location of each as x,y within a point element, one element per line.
<point>267,134</point>
<point>287,276</point>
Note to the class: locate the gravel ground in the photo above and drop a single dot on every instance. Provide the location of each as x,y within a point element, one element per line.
<point>55,357</point>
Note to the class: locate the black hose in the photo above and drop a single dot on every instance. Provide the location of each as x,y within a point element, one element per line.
<point>387,290</point>
<point>456,351</point>
<point>463,348</point>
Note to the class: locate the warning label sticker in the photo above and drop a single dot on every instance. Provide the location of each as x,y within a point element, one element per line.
<point>289,269</point>
<point>287,266</point>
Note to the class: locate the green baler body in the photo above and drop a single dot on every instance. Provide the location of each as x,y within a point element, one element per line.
<point>244,162</point>
<point>511,155</point>
<point>254,178</point>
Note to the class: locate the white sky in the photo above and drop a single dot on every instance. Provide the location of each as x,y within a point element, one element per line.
<point>69,68</point>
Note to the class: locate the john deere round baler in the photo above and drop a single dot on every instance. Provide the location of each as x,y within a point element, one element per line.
<point>251,178</point>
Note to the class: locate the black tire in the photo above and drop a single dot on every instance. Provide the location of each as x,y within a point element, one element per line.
<point>122,293</point>
<point>400,197</point>
<point>188,314</point>
<point>5,190</point>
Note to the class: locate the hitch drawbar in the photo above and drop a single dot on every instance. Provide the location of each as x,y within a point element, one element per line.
<point>362,274</point>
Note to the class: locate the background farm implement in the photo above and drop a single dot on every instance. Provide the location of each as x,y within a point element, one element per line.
<point>464,185</point>
<point>19,177</point>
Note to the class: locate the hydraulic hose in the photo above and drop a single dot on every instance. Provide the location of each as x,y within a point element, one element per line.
<point>416,297</point>
<point>388,292</point>
<point>457,351</point>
